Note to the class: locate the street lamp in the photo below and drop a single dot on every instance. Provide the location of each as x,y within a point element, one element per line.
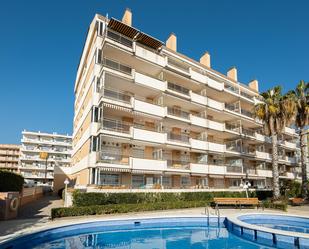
<point>66,182</point>
<point>245,187</point>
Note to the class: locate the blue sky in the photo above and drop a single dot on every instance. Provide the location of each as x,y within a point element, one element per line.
<point>41,43</point>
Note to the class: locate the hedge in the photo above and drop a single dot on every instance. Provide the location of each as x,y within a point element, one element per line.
<point>10,181</point>
<point>281,205</point>
<point>81,199</point>
<point>122,208</point>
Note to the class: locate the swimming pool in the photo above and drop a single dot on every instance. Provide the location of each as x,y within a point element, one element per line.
<point>156,233</point>
<point>281,222</point>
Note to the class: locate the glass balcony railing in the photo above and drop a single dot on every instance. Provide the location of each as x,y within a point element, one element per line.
<point>232,127</point>
<point>178,113</point>
<point>231,88</point>
<point>178,164</point>
<point>246,95</point>
<point>116,95</point>
<point>233,169</point>
<point>115,125</point>
<point>112,158</point>
<point>119,38</point>
<point>248,132</point>
<point>246,113</point>
<point>178,137</point>
<point>231,107</point>
<point>116,66</point>
<point>178,65</point>
<point>178,88</point>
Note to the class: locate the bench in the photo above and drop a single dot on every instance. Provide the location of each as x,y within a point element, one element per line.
<point>297,201</point>
<point>237,202</point>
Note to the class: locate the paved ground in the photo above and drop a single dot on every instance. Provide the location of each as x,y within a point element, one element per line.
<point>40,220</point>
<point>31,215</point>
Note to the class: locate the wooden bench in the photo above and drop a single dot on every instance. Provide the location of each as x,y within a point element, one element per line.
<point>297,201</point>
<point>237,202</point>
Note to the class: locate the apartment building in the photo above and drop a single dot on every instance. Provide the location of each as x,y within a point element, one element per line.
<point>40,153</point>
<point>147,116</point>
<point>9,157</point>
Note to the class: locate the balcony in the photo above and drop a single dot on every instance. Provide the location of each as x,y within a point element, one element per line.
<point>178,66</point>
<point>247,96</point>
<point>290,131</point>
<point>112,158</point>
<point>233,169</point>
<point>232,127</point>
<point>289,145</point>
<point>264,172</point>
<point>198,121</point>
<point>219,86</point>
<point>215,125</point>
<point>176,112</point>
<point>150,82</point>
<point>116,95</point>
<point>232,107</point>
<point>216,147</point>
<point>178,138</point>
<point>179,90</point>
<point>198,76</point>
<point>197,98</point>
<point>199,168</point>
<point>263,155</point>
<point>260,137</point>
<point>248,132</point>
<point>246,113</point>
<point>145,134</point>
<point>116,66</point>
<point>148,164</point>
<point>198,144</point>
<point>178,164</point>
<point>119,38</point>
<point>151,109</point>
<point>215,104</point>
<point>216,169</point>
<point>115,126</point>
<point>149,55</point>
<point>231,88</point>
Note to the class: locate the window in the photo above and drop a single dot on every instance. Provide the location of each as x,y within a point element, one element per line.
<point>166,181</point>
<point>185,181</point>
<point>109,179</point>
<point>137,181</point>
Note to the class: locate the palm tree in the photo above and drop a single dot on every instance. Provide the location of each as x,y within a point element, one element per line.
<point>300,96</point>
<point>275,115</point>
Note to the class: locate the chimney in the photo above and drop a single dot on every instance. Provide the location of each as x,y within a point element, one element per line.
<point>232,73</point>
<point>205,59</point>
<point>171,42</point>
<point>127,17</point>
<point>254,85</point>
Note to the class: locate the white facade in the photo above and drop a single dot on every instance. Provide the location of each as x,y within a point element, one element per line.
<point>32,166</point>
<point>160,119</point>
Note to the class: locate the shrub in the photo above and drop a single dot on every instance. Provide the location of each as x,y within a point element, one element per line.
<point>281,205</point>
<point>10,181</point>
<point>122,208</point>
<point>290,188</point>
<point>89,199</point>
<point>263,194</point>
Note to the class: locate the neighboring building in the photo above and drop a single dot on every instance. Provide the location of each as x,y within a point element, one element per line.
<point>146,116</point>
<point>32,162</point>
<point>9,157</point>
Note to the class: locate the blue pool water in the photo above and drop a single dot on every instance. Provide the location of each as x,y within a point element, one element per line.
<point>173,233</point>
<point>285,223</point>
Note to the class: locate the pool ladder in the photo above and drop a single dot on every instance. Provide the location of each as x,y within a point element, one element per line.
<point>217,213</point>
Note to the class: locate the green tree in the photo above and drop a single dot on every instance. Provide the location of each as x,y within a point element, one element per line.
<point>276,113</point>
<point>300,97</point>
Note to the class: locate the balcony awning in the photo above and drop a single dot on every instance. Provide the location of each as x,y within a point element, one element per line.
<point>111,169</point>
<point>122,28</point>
<point>116,107</point>
<point>234,176</point>
<point>134,34</point>
<point>256,177</point>
<point>148,41</point>
<point>217,176</point>
<point>153,172</point>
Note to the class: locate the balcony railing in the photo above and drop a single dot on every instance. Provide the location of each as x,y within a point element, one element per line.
<point>119,38</point>
<point>178,65</point>
<point>246,113</point>
<point>233,169</point>
<point>112,158</point>
<point>115,125</point>
<point>178,88</point>
<point>248,132</point>
<point>178,164</point>
<point>231,107</point>
<point>178,113</point>
<point>116,95</point>
<point>232,127</point>
<point>246,95</point>
<point>178,137</point>
<point>117,66</point>
<point>231,88</point>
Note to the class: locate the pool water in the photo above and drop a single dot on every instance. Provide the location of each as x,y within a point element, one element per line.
<point>280,222</point>
<point>164,238</point>
<point>145,234</point>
